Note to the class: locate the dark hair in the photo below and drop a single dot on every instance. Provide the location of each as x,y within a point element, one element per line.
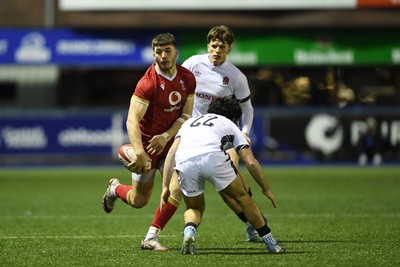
<point>163,39</point>
<point>226,106</point>
<point>222,33</point>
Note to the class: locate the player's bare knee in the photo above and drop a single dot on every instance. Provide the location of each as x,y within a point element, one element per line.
<point>176,198</point>
<point>138,202</point>
<point>177,195</point>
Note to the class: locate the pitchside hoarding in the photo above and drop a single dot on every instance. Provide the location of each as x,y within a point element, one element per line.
<point>312,48</point>
<point>65,47</point>
<point>108,5</point>
<point>331,135</point>
<point>62,134</point>
<point>75,47</point>
<point>278,135</point>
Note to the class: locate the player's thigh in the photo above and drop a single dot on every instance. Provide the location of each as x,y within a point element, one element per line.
<point>142,184</point>
<point>234,157</point>
<point>235,189</point>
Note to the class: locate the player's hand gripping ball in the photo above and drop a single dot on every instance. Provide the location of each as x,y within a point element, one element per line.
<point>126,154</point>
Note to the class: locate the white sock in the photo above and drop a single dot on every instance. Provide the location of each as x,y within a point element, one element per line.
<point>189,231</point>
<point>112,190</point>
<point>268,238</point>
<point>152,233</point>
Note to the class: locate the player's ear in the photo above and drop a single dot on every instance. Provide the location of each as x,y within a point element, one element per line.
<point>176,53</point>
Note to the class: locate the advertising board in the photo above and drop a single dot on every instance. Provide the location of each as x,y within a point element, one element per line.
<point>71,47</point>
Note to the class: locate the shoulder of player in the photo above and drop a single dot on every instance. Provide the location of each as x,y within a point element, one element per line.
<point>150,70</point>
<point>235,73</point>
<point>219,117</point>
<point>146,81</point>
<point>195,59</point>
<point>198,57</point>
<point>146,84</point>
<point>182,70</point>
<point>186,74</point>
<point>150,73</point>
<point>226,121</point>
<point>232,67</point>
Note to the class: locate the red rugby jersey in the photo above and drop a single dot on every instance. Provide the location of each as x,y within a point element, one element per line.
<point>165,98</point>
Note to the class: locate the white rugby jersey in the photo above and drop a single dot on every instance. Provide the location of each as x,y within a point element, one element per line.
<point>219,81</point>
<point>210,133</point>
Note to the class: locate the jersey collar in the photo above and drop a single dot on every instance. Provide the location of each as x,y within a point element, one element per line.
<point>159,72</point>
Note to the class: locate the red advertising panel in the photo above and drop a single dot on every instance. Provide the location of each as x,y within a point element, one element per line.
<point>379,3</point>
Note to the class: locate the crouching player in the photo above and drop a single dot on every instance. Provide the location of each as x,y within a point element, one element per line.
<point>198,154</point>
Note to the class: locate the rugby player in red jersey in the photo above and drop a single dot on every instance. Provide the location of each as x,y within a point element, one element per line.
<point>161,103</point>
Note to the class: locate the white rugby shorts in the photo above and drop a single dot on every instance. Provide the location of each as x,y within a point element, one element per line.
<point>216,168</point>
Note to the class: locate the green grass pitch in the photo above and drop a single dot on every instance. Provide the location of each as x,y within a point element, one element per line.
<point>326,216</point>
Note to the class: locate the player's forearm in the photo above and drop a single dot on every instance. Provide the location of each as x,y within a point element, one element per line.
<point>135,114</point>
<point>186,114</point>
<point>173,130</point>
<point>135,136</point>
<point>247,116</point>
<point>257,173</point>
<point>169,165</point>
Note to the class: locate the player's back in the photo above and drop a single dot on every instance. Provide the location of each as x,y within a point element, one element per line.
<point>207,134</point>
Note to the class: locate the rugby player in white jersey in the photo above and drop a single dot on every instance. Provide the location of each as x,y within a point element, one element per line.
<point>198,154</point>
<point>216,76</point>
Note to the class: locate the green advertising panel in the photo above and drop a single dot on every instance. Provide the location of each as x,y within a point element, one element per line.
<point>257,47</point>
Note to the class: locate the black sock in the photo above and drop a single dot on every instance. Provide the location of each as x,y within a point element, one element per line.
<point>190,224</point>
<point>263,230</point>
<point>242,217</point>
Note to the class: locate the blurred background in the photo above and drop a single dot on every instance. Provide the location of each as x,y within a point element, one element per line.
<point>325,77</point>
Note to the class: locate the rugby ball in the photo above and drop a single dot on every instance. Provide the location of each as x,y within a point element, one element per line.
<point>126,154</point>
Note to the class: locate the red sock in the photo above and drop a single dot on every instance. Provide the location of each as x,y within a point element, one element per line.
<point>122,191</point>
<point>162,218</point>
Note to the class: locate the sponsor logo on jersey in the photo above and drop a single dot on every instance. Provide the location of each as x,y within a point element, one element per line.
<point>204,96</point>
<point>225,81</point>
<point>174,98</point>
